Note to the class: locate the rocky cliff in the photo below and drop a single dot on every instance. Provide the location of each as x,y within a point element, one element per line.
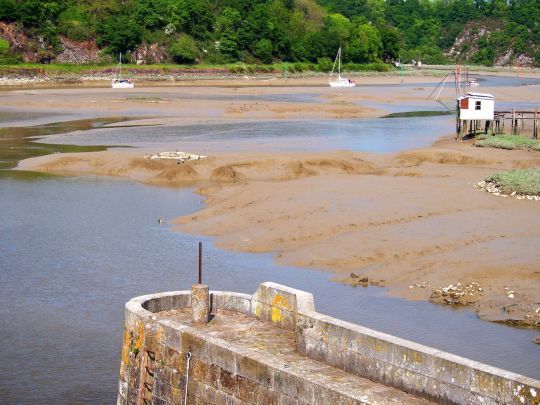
<point>491,42</point>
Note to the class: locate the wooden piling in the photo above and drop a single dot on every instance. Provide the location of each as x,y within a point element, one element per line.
<point>535,124</point>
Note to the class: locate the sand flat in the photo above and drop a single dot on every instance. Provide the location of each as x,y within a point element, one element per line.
<point>399,220</point>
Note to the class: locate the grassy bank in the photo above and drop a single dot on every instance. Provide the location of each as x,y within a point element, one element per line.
<point>509,142</point>
<point>520,181</point>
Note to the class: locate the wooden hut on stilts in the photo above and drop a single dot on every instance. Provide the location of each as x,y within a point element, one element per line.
<point>473,110</point>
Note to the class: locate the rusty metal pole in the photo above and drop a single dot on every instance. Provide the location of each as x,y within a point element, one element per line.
<point>200,262</point>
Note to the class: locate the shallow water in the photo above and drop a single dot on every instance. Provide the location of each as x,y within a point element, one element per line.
<point>369,135</point>
<point>485,81</point>
<point>74,250</point>
<point>18,142</point>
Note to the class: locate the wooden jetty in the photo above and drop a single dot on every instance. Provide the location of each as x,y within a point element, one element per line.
<point>518,121</point>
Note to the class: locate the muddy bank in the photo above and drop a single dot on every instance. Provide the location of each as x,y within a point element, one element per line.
<point>412,221</point>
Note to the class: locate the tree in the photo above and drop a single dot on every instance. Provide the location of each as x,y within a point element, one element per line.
<point>184,50</point>
<point>152,14</point>
<point>390,43</point>
<point>263,50</point>
<point>35,13</point>
<point>194,17</point>
<point>119,34</point>
<point>338,27</point>
<point>366,45</point>
<point>228,45</point>
<point>8,11</point>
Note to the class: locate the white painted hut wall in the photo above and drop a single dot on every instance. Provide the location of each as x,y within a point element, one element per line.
<point>485,113</point>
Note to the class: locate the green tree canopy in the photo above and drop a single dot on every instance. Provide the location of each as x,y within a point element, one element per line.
<point>119,34</point>
<point>184,50</point>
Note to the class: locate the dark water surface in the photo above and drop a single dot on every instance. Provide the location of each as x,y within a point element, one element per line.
<point>74,250</point>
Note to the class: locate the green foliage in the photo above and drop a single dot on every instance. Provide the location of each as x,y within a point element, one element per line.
<point>184,50</point>
<point>263,50</point>
<point>75,23</point>
<point>325,64</point>
<point>391,43</point>
<point>520,181</point>
<point>509,142</point>
<point>151,14</point>
<point>35,13</point>
<point>4,47</point>
<point>119,34</point>
<point>293,30</point>
<point>6,58</point>
<point>367,67</point>
<point>366,45</point>
<point>8,11</point>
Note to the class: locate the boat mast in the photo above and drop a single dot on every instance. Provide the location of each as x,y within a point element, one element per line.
<point>120,66</point>
<point>339,63</point>
<point>334,66</point>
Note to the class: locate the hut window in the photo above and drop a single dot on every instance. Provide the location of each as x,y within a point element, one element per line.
<point>478,105</point>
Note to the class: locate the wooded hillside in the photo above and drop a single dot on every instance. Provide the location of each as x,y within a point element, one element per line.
<point>259,31</point>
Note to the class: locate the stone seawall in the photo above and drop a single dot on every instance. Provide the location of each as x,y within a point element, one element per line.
<point>274,348</point>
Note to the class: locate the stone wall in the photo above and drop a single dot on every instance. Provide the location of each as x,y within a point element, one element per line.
<point>154,358</point>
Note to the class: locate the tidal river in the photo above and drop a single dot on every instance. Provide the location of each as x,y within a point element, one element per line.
<point>74,250</point>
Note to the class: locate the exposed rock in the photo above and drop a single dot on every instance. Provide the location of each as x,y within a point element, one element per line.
<point>466,43</point>
<point>465,46</point>
<point>150,53</point>
<point>456,294</point>
<point>537,340</point>
<point>78,51</point>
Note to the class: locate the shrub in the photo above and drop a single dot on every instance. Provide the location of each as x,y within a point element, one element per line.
<point>263,50</point>
<point>367,67</point>
<point>184,50</point>
<point>6,58</point>
<point>324,64</point>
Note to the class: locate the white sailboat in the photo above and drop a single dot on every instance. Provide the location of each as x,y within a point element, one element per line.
<point>117,81</point>
<point>339,81</point>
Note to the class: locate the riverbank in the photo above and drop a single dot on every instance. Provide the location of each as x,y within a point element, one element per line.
<point>55,75</point>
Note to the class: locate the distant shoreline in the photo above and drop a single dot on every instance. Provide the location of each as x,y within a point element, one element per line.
<point>265,75</point>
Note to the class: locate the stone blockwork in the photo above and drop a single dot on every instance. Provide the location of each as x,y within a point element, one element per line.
<point>274,348</point>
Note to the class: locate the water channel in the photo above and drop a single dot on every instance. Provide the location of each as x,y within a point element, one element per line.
<point>74,250</point>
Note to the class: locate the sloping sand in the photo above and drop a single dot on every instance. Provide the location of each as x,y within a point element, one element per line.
<point>400,220</point>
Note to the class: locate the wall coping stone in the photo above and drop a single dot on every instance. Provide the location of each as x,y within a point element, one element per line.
<point>487,383</point>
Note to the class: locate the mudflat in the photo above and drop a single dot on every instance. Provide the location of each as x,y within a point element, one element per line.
<point>411,221</point>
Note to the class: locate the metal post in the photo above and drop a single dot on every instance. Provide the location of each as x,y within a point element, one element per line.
<point>200,262</point>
